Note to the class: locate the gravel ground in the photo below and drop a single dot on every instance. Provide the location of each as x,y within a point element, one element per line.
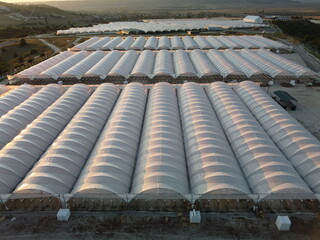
<point>151,225</point>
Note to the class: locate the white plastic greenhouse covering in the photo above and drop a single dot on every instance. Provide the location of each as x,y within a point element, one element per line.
<point>164,43</point>
<point>79,69</point>
<point>189,43</point>
<point>177,43</point>
<point>124,66</point>
<point>229,43</point>
<point>216,43</point>
<point>151,43</point>
<point>297,69</point>
<point>3,89</point>
<point>182,64</point>
<point>243,42</point>
<point>112,44</point>
<point>85,44</point>
<point>273,70</point>
<point>202,64</point>
<point>58,69</point>
<point>33,141</point>
<point>225,67</point>
<point>138,43</point>
<point>244,66</point>
<point>125,44</point>
<point>299,146</point>
<point>213,168</point>
<point>36,70</point>
<point>103,67</point>
<point>202,42</point>
<point>263,164</point>
<point>163,64</point>
<point>12,123</point>
<point>271,43</point>
<point>161,165</point>
<point>59,167</point>
<point>255,41</point>
<point>111,164</point>
<point>144,64</point>
<point>99,44</point>
<point>15,97</point>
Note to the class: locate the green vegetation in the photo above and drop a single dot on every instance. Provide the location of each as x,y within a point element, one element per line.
<point>304,30</point>
<point>22,54</point>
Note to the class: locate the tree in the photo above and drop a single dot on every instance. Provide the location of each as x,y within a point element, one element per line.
<point>22,42</point>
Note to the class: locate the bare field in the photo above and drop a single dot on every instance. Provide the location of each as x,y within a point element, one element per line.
<point>154,225</point>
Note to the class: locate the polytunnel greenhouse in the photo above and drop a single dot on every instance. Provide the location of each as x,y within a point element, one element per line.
<point>150,66</point>
<point>213,147</point>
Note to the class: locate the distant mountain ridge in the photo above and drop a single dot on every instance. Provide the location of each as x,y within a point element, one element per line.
<point>127,5</point>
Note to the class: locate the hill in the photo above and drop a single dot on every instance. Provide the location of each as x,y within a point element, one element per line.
<point>176,5</point>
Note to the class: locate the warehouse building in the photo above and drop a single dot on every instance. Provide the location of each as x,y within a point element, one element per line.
<point>163,147</point>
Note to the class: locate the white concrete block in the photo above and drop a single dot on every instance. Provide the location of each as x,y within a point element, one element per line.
<point>63,214</point>
<point>283,223</point>
<point>195,216</point>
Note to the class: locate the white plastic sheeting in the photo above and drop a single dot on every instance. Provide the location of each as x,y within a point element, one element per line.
<point>111,164</point>
<point>138,43</point>
<point>202,43</point>
<point>112,44</point>
<point>246,67</point>
<point>213,168</point>
<point>263,164</point>
<point>228,42</point>
<point>85,44</point>
<point>144,64</point>
<point>99,44</point>
<point>182,64</point>
<point>177,43</point>
<point>189,43</point>
<point>14,97</point>
<point>21,154</point>
<point>216,43</point>
<point>232,65</point>
<point>300,147</point>
<point>103,67</point>
<point>125,44</point>
<point>255,41</point>
<point>273,70</point>
<point>271,43</point>
<point>161,25</point>
<point>297,69</point>
<point>58,168</point>
<point>243,42</point>
<point>202,64</point>
<point>35,70</point>
<point>84,65</point>
<point>57,70</point>
<point>125,64</point>
<point>164,43</point>
<point>3,89</point>
<point>163,64</point>
<point>151,43</point>
<point>17,119</point>
<point>225,68</point>
<point>161,164</point>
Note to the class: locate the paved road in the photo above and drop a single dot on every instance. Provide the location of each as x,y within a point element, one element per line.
<point>53,47</point>
<point>76,41</point>
<point>312,62</point>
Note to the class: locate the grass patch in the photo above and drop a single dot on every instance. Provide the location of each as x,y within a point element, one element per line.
<point>63,43</point>
<point>14,58</point>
